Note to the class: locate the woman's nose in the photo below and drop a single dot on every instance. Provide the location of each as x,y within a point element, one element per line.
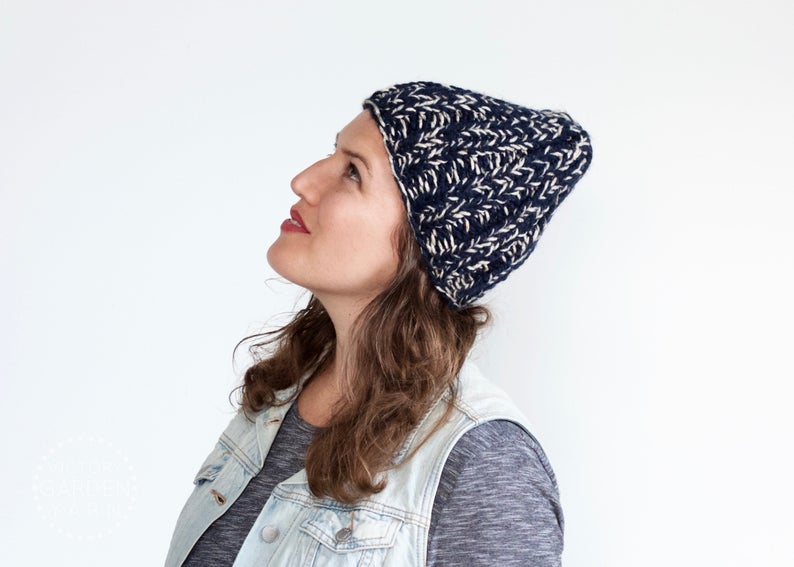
<point>308,184</point>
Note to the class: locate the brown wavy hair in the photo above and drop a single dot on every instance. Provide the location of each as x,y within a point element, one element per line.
<point>406,348</point>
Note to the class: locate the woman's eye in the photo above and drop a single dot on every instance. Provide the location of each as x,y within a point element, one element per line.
<point>352,173</point>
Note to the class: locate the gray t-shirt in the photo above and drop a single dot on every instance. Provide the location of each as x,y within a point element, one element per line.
<point>497,501</point>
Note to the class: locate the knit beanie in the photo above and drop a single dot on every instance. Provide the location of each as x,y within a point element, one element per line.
<point>480,178</point>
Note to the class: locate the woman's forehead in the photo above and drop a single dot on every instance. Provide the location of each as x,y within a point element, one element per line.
<point>362,136</point>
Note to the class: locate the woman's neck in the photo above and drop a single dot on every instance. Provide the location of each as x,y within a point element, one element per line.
<point>318,398</point>
<point>322,393</point>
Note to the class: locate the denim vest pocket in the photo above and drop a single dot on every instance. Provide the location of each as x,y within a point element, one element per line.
<point>370,539</point>
<point>212,465</point>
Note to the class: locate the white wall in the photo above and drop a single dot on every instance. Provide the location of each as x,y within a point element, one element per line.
<point>146,150</point>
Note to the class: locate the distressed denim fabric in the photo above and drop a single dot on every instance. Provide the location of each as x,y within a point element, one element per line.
<point>296,528</point>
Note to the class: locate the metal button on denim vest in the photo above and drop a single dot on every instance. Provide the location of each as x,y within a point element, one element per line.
<point>297,529</point>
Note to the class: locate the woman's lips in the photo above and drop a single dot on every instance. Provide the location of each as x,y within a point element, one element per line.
<point>294,223</point>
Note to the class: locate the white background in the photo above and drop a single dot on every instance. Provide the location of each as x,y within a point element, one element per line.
<point>146,150</point>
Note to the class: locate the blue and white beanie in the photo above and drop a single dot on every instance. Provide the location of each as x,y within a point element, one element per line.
<point>480,178</point>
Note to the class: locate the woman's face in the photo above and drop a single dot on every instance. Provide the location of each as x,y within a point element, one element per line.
<point>339,240</point>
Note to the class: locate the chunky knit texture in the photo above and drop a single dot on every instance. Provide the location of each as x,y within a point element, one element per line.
<point>480,178</point>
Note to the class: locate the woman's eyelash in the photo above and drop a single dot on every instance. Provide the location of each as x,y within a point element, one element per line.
<point>352,172</point>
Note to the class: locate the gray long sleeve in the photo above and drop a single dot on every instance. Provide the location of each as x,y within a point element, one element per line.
<point>497,503</point>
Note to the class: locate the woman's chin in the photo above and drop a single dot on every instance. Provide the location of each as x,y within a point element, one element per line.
<point>276,259</point>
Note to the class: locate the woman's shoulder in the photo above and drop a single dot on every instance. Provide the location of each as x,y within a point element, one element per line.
<point>497,482</point>
<point>501,433</point>
<point>501,446</point>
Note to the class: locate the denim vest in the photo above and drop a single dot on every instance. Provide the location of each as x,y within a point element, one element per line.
<point>297,529</point>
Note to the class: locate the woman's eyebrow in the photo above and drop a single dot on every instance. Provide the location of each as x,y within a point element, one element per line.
<point>353,154</point>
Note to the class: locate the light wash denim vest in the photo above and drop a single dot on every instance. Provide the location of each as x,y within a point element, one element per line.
<point>297,529</point>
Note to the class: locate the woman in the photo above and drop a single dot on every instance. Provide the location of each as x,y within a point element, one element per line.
<point>364,437</point>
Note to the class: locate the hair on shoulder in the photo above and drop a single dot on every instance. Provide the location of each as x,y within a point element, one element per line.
<point>407,347</point>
